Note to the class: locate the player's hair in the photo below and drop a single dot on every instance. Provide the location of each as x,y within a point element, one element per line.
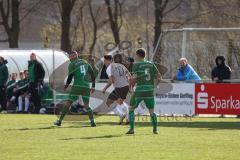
<point>118,58</point>
<point>141,52</point>
<point>108,57</point>
<point>71,52</point>
<point>183,59</point>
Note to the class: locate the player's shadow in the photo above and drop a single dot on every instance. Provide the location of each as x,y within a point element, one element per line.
<point>46,128</point>
<point>95,137</point>
<point>201,125</point>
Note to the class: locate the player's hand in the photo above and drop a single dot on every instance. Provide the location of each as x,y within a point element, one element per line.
<point>103,90</point>
<point>174,77</point>
<point>92,90</point>
<point>65,87</point>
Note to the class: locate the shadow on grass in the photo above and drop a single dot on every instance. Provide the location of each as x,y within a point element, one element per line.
<point>207,125</point>
<point>95,137</point>
<point>45,128</point>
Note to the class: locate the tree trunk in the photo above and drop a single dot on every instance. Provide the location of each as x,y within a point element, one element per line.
<point>14,33</point>
<point>95,28</point>
<point>13,30</point>
<point>158,21</point>
<point>67,6</point>
<point>114,19</point>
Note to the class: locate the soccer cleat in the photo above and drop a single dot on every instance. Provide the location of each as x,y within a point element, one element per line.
<point>155,132</point>
<point>93,125</point>
<point>57,123</point>
<point>130,131</point>
<point>121,120</point>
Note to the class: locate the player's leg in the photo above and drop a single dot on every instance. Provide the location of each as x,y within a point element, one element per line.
<point>112,101</point>
<point>20,103</point>
<point>65,110</point>
<point>123,109</point>
<point>85,97</point>
<point>133,103</point>
<point>27,103</point>
<point>150,103</point>
<point>122,106</point>
<point>89,110</point>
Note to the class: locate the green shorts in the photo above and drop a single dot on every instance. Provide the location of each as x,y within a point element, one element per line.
<point>148,100</point>
<point>80,91</point>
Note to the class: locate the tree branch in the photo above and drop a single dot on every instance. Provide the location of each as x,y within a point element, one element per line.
<point>173,8</point>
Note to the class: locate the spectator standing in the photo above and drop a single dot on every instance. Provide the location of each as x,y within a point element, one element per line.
<point>3,82</point>
<point>36,77</point>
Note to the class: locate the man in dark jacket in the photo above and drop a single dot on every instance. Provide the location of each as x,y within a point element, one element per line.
<point>3,82</point>
<point>36,78</point>
<point>221,72</point>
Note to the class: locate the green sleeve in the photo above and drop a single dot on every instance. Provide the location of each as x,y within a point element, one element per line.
<point>134,69</point>
<point>155,70</point>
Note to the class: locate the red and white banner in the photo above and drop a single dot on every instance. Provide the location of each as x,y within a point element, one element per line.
<point>217,99</point>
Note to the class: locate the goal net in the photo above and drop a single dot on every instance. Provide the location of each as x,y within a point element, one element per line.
<point>200,46</point>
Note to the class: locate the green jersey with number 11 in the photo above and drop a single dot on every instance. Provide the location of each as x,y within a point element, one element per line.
<point>80,70</point>
<point>146,73</point>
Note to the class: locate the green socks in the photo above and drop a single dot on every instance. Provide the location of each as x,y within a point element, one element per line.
<point>131,120</point>
<point>154,121</point>
<point>90,115</point>
<point>64,112</point>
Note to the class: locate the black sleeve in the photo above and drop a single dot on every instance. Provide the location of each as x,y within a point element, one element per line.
<point>69,79</point>
<point>227,73</point>
<point>214,74</point>
<point>93,78</point>
<point>40,72</point>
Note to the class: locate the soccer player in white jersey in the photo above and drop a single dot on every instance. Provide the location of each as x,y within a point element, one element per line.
<point>118,76</point>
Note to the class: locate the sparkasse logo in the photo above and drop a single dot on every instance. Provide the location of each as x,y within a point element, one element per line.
<point>202,98</point>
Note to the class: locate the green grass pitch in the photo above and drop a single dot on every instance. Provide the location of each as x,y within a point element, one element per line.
<point>28,137</point>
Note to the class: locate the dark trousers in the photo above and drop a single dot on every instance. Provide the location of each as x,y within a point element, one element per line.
<point>35,97</point>
<point>3,98</point>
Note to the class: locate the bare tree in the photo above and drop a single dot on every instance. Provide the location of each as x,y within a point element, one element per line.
<point>66,9</point>
<point>12,16</point>
<point>115,17</point>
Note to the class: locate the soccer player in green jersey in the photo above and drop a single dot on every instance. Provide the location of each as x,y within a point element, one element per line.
<point>78,70</point>
<point>146,76</point>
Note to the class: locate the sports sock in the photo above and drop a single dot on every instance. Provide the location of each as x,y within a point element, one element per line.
<point>125,106</point>
<point>118,111</point>
<point>131,120</point>
<point>64,112</point>
<point>90,115</point>
<point>20,103</point>
<point>154,121</point>
<point>26,104</point>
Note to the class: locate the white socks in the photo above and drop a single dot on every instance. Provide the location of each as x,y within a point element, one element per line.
<point>121,110</point>
<point>20,104</point>
<point>27,102</point>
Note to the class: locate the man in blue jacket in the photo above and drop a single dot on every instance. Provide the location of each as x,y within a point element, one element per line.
<point>3,82</point>
<point>186,72</point>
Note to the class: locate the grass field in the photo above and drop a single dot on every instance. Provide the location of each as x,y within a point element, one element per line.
<point>27,137</point>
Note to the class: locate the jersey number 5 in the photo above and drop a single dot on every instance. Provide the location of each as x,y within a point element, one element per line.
<point>147,73</point>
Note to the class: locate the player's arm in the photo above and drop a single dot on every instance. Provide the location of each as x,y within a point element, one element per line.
<point>133,77</point>
<point>158,75</point>
<point>110,79</point>
<point>93,78</point>
<point>70,76</point>
<point>69,80</point>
